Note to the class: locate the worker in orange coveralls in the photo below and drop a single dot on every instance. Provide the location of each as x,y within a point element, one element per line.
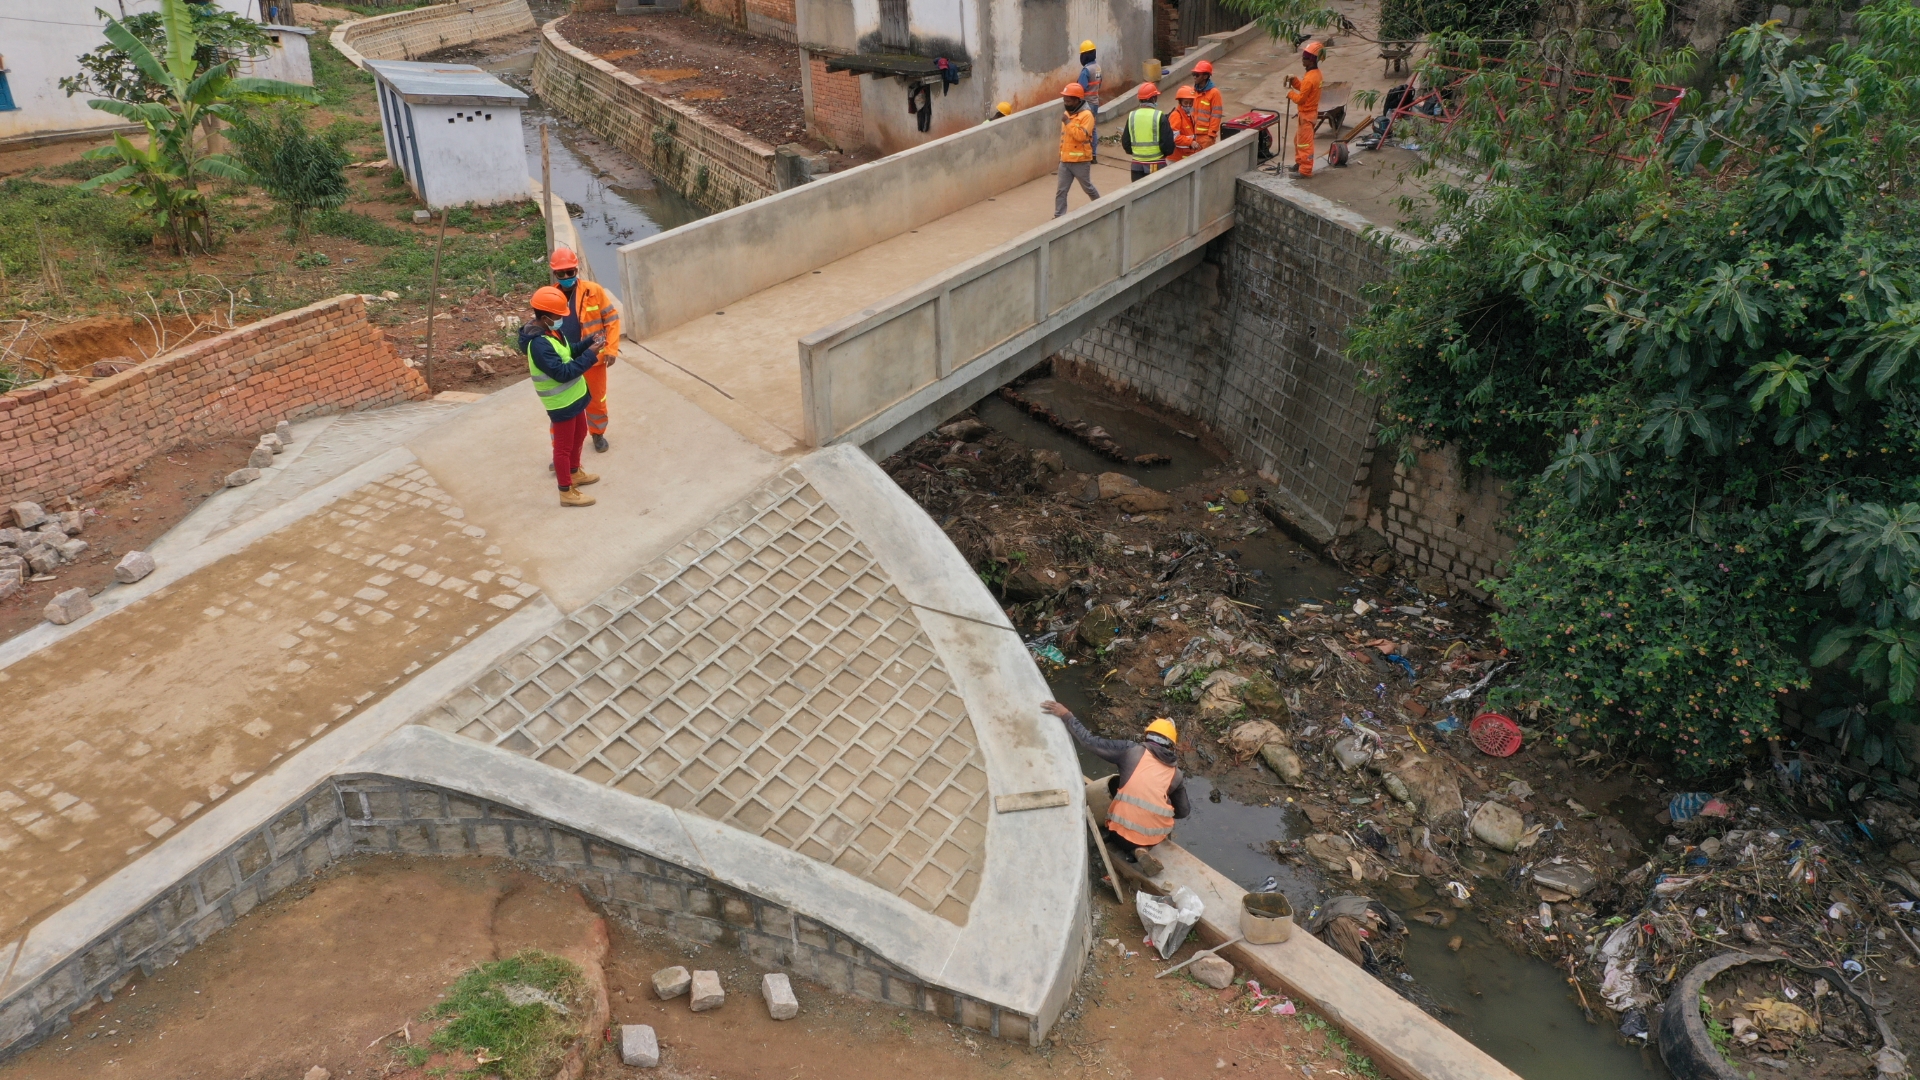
<point>590,312</point>
<point>1183,122</point>
<point>1209,107</point>
<point>1306,96</point>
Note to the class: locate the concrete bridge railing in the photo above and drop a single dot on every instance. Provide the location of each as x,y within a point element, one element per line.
<point>883,376</point>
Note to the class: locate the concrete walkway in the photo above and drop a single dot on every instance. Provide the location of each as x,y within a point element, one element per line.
<point>740,364</point>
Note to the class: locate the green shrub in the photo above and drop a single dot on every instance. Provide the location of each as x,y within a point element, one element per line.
<point>304,173</point>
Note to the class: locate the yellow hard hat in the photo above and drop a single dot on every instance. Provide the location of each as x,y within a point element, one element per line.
<point>1005,108</point>
<point>1087,45</point>
<point>1165,728</point>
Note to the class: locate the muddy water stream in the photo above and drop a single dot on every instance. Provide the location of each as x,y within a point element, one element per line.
<point>1518,1009</point>
<point>618,200</point>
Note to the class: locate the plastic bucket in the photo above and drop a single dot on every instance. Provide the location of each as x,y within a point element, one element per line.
<point>1151,71</point>
<point>1266,918</point>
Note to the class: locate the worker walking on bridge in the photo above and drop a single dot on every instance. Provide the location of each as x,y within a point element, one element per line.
<point>1145,797</point>
<point>1148,135</point>
<point>1184,124</point>
<point>1209,108</point>
<point>559,373</point>
<point>590,311</point>
<point>1306,97</point>
<point>1077,138</point>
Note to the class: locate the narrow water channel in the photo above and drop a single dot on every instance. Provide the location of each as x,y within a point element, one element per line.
<point>1518,1009</point>
<point>619,201</point>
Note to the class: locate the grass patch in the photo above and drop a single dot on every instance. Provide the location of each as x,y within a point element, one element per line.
<point>353,225</point>
<point>501,265</point>
<point>527,1040</point>
<point>335,81</point>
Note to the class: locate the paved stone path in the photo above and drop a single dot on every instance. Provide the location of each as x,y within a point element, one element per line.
<point>765,673</point>
<point>116,734</point>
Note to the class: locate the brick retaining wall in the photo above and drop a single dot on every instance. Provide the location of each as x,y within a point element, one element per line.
<point>714,164</point>
<point>405,35</point>
<point>72,436</point>
<point>1253,344</point>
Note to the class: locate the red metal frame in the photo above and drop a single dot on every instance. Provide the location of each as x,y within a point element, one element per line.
<point>1550,78</point>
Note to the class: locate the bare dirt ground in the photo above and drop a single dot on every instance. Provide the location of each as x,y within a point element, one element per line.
<point>750,82</point>
<point>128,517</point>
<point>322,974</point>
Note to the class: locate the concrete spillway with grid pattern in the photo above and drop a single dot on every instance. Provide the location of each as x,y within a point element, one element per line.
<point>766,674</point>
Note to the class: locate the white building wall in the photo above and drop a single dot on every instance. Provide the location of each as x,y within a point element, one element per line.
<point>1022,51</point>
<point>290,61</point>
<point>459,155</point>
<point>40,43</point>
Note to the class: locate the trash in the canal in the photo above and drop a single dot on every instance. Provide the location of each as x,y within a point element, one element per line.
<point>1167,923</point>
<point>1691,804</point>
<point>1448,726</point>
<point>1495,734</point>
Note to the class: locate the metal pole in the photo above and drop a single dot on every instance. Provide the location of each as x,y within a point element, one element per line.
<point>546,194</point>
<point>433,295</point>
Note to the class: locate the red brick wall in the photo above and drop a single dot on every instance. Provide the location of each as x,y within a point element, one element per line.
<point>71,436</point>
<point>836,115</point>
<point>771,18</point>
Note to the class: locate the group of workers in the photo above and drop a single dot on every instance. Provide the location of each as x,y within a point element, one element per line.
<point>1152,139</point>
<point>573,338</point>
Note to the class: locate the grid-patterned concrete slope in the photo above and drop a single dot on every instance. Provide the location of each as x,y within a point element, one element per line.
<point>766,674</point>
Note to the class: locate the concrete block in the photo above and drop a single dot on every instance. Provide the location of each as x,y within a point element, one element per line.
<point>26,515</point>
<point>10,579</point>
<point>284,430</point>
<point>778,990</point>
<point>133,566</point>
<point>242,477</point>
<point>71,550</point>
<point>706,991</point>
<point>639,1046</point>
<point>67,606</point>
<point>1213,971</point>
<point>671,982</point>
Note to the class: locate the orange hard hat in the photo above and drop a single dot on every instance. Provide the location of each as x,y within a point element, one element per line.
<point>1204,67</point>
<point>1073,90</point>
<point>550,299</point>
<point>1314,47</point>
<point>564,259</point>
<point>1148,91</point>
<point>1185,93</point>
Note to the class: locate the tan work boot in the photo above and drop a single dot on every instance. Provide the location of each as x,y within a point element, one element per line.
<point>573,497</point>
<point>1150,866</point>
<point>582,478</point>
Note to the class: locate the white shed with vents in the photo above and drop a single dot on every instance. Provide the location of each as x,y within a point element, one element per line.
<point>454,131</point>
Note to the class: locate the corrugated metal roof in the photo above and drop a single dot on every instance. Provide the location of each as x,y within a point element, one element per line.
<point>444,84</point>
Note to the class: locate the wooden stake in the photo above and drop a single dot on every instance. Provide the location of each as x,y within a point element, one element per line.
<point>546,194</point>
<point>1105,858</point>
<point>433,295</point>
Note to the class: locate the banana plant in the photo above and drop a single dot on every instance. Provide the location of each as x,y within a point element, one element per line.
<point>164,177</point>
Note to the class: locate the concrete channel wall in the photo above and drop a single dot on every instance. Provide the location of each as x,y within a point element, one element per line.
<point>1253,343</point>
<point>881,377</point>
<point>405,35</point>
<point>677,276</point>
<point>714,164</point>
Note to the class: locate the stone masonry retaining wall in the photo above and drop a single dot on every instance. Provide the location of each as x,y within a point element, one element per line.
<point>69,435</point>
<point>377,815</point>
<point>405,35</point>
<point>714,164</point>
<point>1253,343</point>
<point>388,816</point>
<point>297,844</point>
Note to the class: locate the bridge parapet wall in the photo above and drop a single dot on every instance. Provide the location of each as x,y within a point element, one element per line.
<point>882,376</point>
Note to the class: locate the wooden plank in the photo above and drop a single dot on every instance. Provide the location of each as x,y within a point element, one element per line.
<point>1030,800</point>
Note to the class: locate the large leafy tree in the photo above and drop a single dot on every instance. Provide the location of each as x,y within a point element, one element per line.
<point>108,71</point>
<point>165,176</point>
<point>1700,361</point>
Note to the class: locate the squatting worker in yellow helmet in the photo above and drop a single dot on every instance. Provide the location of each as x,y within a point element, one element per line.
<point>1005,108</point>
<point>1148,793</point>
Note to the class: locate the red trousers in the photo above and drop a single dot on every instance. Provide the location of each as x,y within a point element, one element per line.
<point>568,436</point>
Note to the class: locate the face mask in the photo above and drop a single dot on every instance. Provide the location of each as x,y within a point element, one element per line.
<point>568,281</point>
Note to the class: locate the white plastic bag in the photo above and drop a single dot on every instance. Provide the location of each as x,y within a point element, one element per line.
<point>1167,923</point>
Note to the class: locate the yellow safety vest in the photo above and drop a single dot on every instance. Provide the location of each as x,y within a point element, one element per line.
<point>1143,131</point>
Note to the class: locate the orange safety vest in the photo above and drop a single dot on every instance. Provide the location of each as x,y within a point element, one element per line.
<point>1139,811</point>
<point>597,312</point>
<point>1183,141</point>
<point>1209,109</point>
<point>1076,136</point>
